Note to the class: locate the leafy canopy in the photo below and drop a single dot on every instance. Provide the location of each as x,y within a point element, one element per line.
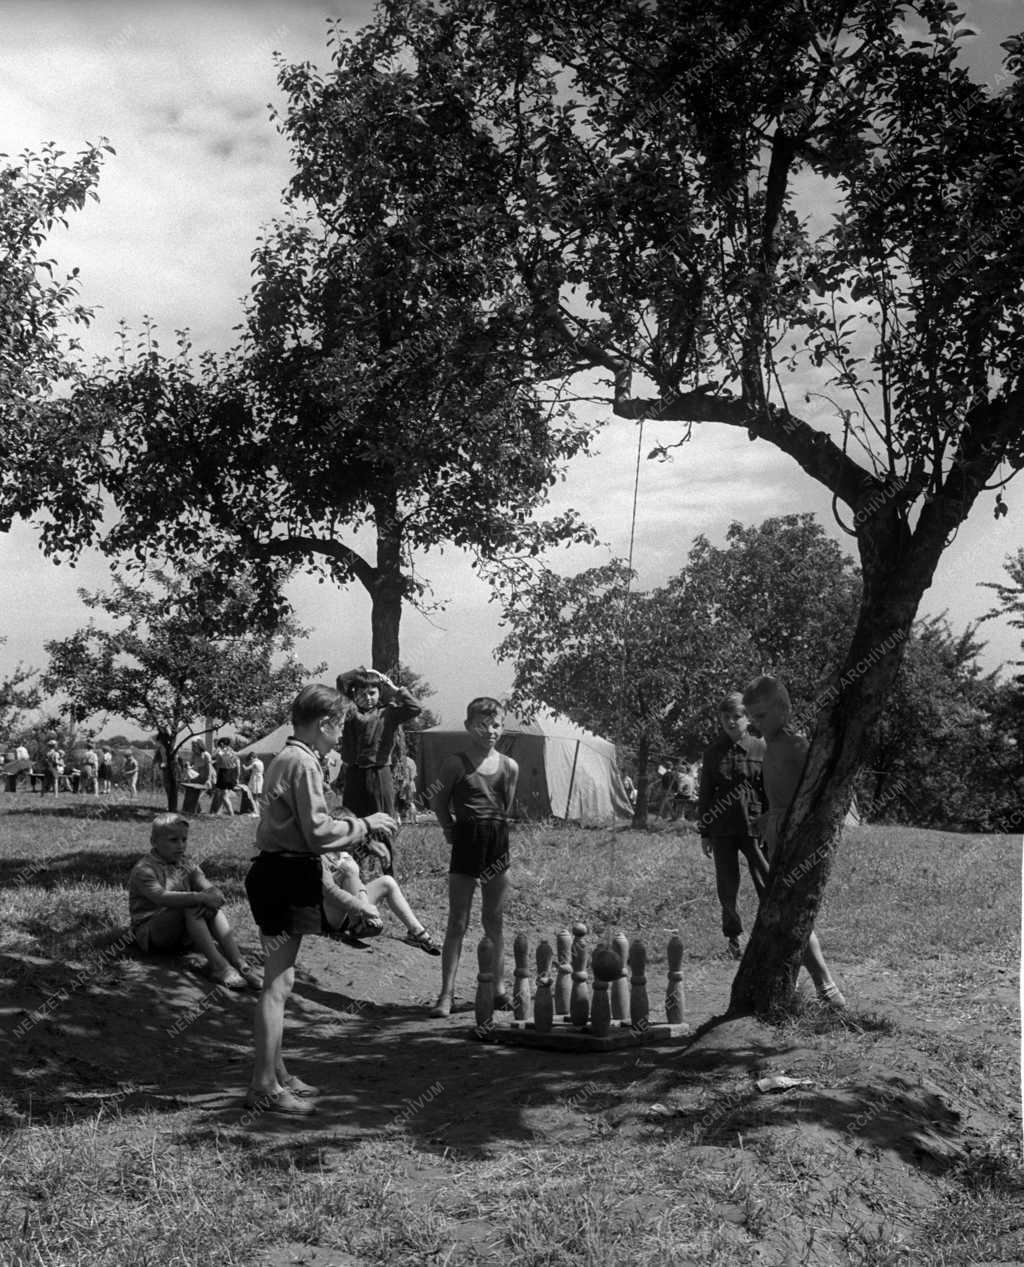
<point>50,452</point>
<point>182,651</point>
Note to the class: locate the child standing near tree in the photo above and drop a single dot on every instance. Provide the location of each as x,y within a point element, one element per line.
<point>368,741</point>
<point>730,800</point>
<point>768,708</point>
<point>285,882</point>
<point>473,804</point>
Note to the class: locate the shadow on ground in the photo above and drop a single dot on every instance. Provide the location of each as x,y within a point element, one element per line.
<point>103,868</point>
<point>114,1029</point>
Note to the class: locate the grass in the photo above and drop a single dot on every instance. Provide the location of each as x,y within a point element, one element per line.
<point>646,1161</point>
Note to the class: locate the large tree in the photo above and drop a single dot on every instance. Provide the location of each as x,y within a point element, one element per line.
<point>49,458</point>
<point>618,662</point>
<point>184,656</point>
<point>19,693</point>
<point>377,390</point>
<point>941,755</point>
<point>647,669</point>
<point>787,591</point>
<point>726,207</point>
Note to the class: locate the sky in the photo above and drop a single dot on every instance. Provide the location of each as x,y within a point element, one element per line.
<point>183,92</point>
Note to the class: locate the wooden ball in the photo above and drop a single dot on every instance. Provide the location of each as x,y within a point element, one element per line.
<point>606,964</point>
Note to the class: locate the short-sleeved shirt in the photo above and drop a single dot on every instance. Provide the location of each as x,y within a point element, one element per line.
<point>731,786</point>
<point>152,876</point>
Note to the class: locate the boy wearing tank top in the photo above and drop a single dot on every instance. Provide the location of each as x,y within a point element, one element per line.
<point>473,804</point>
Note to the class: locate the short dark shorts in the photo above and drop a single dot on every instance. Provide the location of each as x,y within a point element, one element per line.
<point>479,848</point>
<point>227,780</point>
<point>285,894</point>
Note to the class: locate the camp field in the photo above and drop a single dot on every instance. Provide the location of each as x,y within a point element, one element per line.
<point>125,1140</point>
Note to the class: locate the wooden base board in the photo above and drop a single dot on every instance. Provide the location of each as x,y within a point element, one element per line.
<point>566,1037</point>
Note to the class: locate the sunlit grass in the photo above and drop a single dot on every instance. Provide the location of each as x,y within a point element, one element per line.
<point>938,911</point>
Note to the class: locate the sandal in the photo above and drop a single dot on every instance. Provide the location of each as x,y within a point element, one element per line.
<point>231,980</point>
<point>423,941</point>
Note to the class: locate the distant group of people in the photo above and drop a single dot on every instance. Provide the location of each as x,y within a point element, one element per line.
<point>307,877</point>
<point>220,774</point>
<point>89,770</point>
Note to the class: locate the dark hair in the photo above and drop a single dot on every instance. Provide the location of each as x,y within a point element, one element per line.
<point>484,706</point>
<point>356,680</point>
<point>316,701</point>
<point>766,688</point>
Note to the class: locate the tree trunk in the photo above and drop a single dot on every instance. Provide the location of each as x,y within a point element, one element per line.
<point>166,742</point>
<point>388,590</point>
<point>643,754</point>
<point>800,868</point>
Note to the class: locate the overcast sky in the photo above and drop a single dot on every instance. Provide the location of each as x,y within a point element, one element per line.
<point>182,91</point>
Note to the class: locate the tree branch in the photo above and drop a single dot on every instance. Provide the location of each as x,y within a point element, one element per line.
<point>819,456</point>
<point>296,543</point>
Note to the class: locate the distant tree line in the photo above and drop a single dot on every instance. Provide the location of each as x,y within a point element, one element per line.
<point>647,668</point>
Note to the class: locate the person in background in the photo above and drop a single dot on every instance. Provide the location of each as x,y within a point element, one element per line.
<point>367,741</point>
<point>90,769</point>
<point>768,706</point>
<point>730,800</point>
<point>251,786</point>
<point>53,767</point>
<point>130,773</point>
<point>106,771</point>
<point>225,766</point>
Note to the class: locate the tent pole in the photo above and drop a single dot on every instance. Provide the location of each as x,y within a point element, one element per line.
<point>572,780</point>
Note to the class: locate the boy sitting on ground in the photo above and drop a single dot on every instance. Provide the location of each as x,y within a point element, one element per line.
<point>350,907</point>
<point>174,906</point>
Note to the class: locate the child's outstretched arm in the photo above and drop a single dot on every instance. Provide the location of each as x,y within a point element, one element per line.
<point>322,831</point>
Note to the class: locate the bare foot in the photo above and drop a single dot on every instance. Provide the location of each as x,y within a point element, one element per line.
<point>443,1007</point>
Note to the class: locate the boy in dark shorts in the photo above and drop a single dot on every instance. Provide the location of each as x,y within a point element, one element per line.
<point>285,882</point>
<point>473,805</point>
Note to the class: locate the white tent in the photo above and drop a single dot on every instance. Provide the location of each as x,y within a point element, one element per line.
<point>270,745</point>
<point>564,770</point>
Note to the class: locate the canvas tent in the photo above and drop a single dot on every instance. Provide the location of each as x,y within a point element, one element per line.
<point>270,745</point>
<point>564,771</point>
